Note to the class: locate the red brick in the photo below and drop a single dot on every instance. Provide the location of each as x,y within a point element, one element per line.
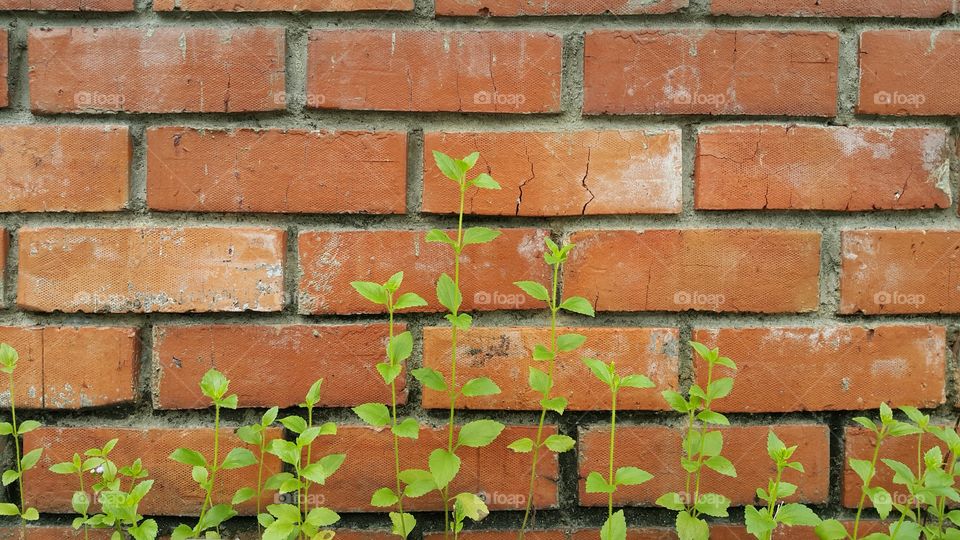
<point>562,173</point>
<point>794,167</point>
<point>687,71</point>
<point>764,271</point>
<point>786,369</point>
<point>905,271</point>
<point>909,72</point>
<point>657,450</point>
<point>170,270</point>
<point>156,70</point>
<point>174,493</point>
<point>517,8</point>
<point>73,367</point>
<point>495,471</point>
<point>859,444</point>
<point>283,5</point>
<point>64,168</point>
<point>272,365</point>
<point>329,261</point>
<point>721,531</point>
<point>505,355</point>
<point>410,70</point>
<point>835,8</point>
<point>275,170</point>
<point>504,535</point>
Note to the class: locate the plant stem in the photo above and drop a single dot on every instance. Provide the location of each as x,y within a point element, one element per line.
<point>208,499</point>
<point>772,499</point>
<point>453,355</point>
<point>613,435</point>
<point>306,483</point>
<point>263,446</point>
<point>866,484</point>
<point>703,432</point>
<point>86,533</point>
<point>543,410</point>
<point>16,446</point>
<point>396,438</point>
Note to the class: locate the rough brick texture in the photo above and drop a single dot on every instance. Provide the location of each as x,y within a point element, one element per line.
<point>283,5</point>
<point>702,72</point>
<point>702,270</point>
<point>276,171</point>
<point>409,70</point>
<point>562,174</point>
<point>83,69</point>
<point>515,8</point>
<point>835,8</point>
<point>860,444</point>
<point>817,168</point>
<point>151,269</point>
<point>505,355</point>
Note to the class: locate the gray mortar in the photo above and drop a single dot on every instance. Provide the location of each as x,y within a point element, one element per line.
<point>571,29</point>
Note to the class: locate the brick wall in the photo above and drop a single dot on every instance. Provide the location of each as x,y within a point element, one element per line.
<point>194,183</point>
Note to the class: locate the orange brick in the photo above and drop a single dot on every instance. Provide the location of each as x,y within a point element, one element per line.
<point>409,70</point>
<point>657,450</point>
<point>900,271</point>
<point>283,5</point>
<point>859,444</point>
<point>517,8</point>
<point>156,70</point>
<point>274,170</point>
<point>151,269</point>
<point>272,365</point>
<point>696,71</point>
<point>562,173</point>
<point>765,271</point>
<point>835,8</point>
<point>505,355</point>
<point>329,261</point>
<point>787,369</point>
<point>173,494</point>
<point>793,167</point>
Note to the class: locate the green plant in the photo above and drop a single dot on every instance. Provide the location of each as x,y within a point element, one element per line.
<point>119,507</point>
<point>255,435</point>
<point>444,463</point>
<point>8,364</point>
<point>761,523</point>
<point>701,448</point>
<point>399,349</point>
<point>541,381</point>
<point>214,386</point>
<point>291,521</point>
<point>615,527</point>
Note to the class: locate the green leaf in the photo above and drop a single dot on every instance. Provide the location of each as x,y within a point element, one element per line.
<point>389,372</point>
<point>448,294</point>
<point>402,524</point>
<point>479,433</point>
<point>559,443</point>
<point>722,465</point>
<point>373,292</point>
<point>521,446</point>
<point>831,529</point>
<point>374,414</point>
<point>631,476</point>
<point>383,498</point>
<point>27,426</point>
<point>481,386</point>
<point>720,388</point>
<point>470,160</point>
<point>615,527</point>
<point>712,417</point>
<point>539,381</point>
<point>863,469</point>
<point>408,300</point>
<point>430,378</point>
<point>703,351</point>
<point>774,445</point>
<point>534,290</point>
<point>471,506</point>
<point>6,428</point>
<point>10,476</point>
<point>556,404</point>
<point>438,236</point>
<point>570,342</point>
<point>882,501</point>
<point>8,361</point>
<point>322,517</point>
<point>797,514</point>
<point>485,181</point>
<point>394,282</point>
<point>691,528</point>
<point>216,515</point>
<point>712,504</point>
<point>444,467</point>
<point>188,457</point>
<point>758,523</point>
<point>676,401</point>
<point>596,483</point>
<point>671,501</point>
<point>866,422</point>
<point>238,458</point>
<point>542,354</point>
<point>7,509</point>
<point>243,495</point>
<point>448,166</point>
<point>578,304</point>
<point>418,482</point>
<point>408,429</point>
<point>636,381</point>
<point>462,321</point>
<point>479,235</point>
<point>400,347</point>
<point>600,370</point>
<point>31,514</point>
<point>214,384</point>
<point>64,468</point>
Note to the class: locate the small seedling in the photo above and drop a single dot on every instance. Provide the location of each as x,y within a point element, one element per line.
<point>214,386</point>
<point>119,507</point>
<point>701,448</point>
<point>761,523</point>
<point>615,527</point>
<point>444,462</point>
<point>399,349</point>
<point>256,436</point>
<point>288,521</point>
<point>542,381</point>
<point>8,364</point>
